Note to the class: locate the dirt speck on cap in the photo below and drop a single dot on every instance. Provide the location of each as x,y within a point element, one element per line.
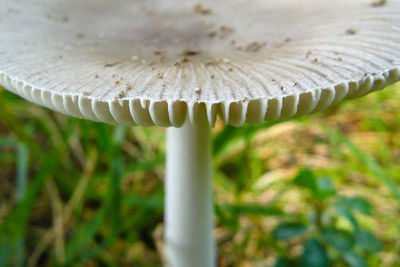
<point>186,59</point>
<point>210,63</point>
<point>212,33</point>
<point>128,86</point>
<point>111,64</point>
<point>315,60</point>
<point>351,31</point>
<point>116,82</point>
<point>197,90</point>
<point>254,46</point>
<point>96,76</point>
<point>160,75</point>
<point>225,30</point>
<point>121,94</point>
<point>199,8</point>
<point>377,3</point>
<point>158,51</point>
<point>190,52</point>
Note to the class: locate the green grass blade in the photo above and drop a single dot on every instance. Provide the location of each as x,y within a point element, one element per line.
<point>369,162</point>
<point>22,170</point>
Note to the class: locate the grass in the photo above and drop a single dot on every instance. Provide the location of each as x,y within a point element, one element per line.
<point>81,193</point>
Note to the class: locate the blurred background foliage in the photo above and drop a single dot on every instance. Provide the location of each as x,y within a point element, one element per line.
<point>320,190</point>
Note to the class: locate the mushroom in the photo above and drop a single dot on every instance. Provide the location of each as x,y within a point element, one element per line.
<point>265,60</point>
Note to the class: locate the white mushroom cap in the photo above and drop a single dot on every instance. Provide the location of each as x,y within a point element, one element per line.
<point>158,62</point>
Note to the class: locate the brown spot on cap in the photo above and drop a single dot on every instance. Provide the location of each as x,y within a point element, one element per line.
<point>351,31</point>
<point>190,52</point>
<point>212,33</point>
<point>199,8</point>
<point>377,3</point>
<point>157,51</point>
<point>254,46</point>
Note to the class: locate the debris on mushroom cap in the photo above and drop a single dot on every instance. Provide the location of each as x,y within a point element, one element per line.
<point>111,64</point>
<point>212,33</point>
<point>351,31</point>
<point>157,51</point>
<point>186,59</point>
<point>121,94</point>
<point>199,8</point>
<point>254,46</point>
<point>234,57</point>
<point>225,30</point>
<point>376,3</point>
<point>190,52</point>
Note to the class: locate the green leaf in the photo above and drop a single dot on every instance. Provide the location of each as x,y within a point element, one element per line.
<point>253,209</point>
<point>324,188</point>
<point>306,179</point>
<point>314,255</point>
<point>339,239</point>
<point>351,204</point>
<point>230,134</point>
<point>354,259</point>
<point>321,187</point>
<point>367,161</point>
<point>22,170</point>
<point>119,134</point>
<point>285,262</point>
<point>288,230</point>
<point>6,252</point>
<point>80,242</point>
<point>368,242</point>
<point>361,205</point>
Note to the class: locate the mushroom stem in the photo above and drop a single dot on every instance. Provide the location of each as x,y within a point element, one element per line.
<point>189,212</point>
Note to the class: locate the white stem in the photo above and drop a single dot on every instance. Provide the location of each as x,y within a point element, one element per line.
<point>189,213</point>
